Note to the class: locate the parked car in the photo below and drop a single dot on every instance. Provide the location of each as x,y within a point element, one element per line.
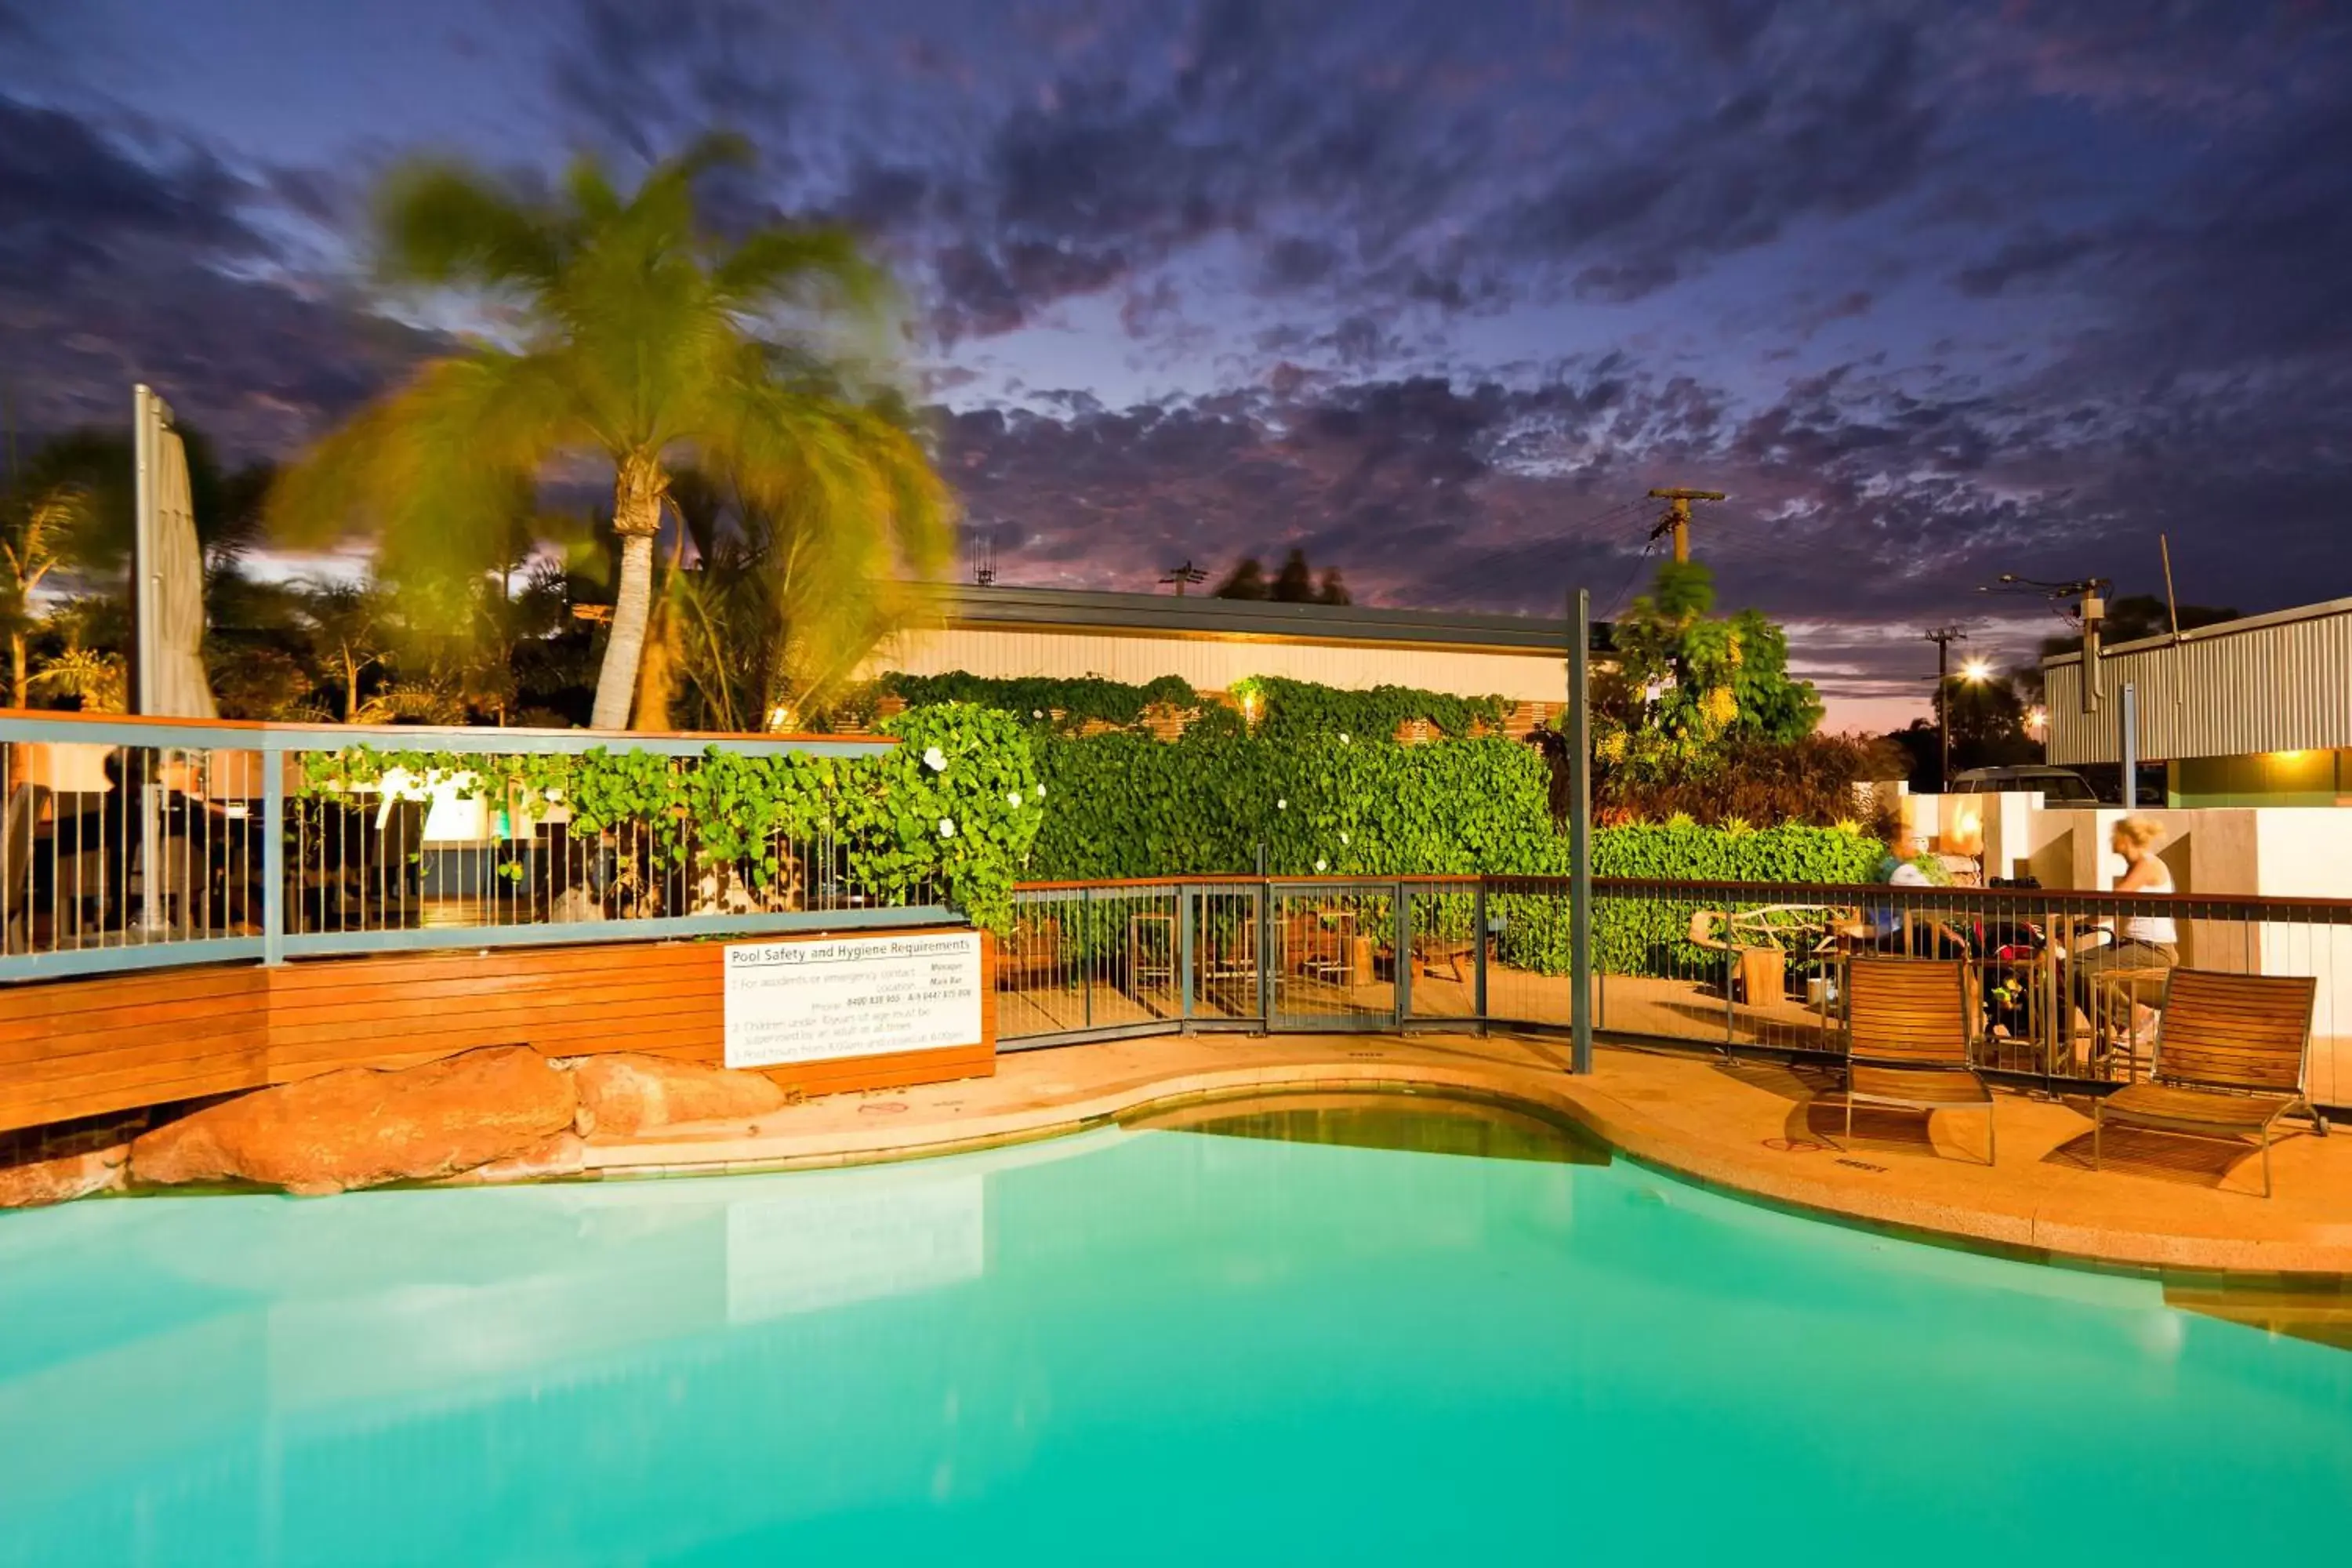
<point>2058,786</point>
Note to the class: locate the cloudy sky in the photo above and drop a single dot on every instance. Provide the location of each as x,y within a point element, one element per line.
<point>1434,290</point>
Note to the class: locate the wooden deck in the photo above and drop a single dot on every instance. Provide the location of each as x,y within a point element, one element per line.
<point>76,1048</point>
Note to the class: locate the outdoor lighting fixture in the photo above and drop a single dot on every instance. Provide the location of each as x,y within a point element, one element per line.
<point>1976,670</point>
<point>781,718</point>
<point>2035,718</point>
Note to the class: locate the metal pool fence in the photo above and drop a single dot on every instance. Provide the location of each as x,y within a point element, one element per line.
<point>132,843</point>
<point>2063,985</point>
<point>1104,959</point>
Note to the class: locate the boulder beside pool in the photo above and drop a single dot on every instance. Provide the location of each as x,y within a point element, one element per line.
<point>63,1179</point>
<point>628,1092</point>
<point>362,1126</point>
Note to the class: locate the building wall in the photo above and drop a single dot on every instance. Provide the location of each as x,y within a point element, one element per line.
<point>2277,778</point>
<point>2279,683</point>
<point>1216,663</point>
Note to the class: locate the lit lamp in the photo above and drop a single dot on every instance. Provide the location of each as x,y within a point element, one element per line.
<point>1965,836</point>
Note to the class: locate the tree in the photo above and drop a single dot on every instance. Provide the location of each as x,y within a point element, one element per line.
<point>42,527</point>
<point>1295,584</point>
<point>1701,682</point>
<point>1245,581</point>
<point>86,668</point>
<point>350,631</point>
<point>645,338</point>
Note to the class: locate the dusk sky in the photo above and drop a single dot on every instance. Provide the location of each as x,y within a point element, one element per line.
<point>1434,291</point>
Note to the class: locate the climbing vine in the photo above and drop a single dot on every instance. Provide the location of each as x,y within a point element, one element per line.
<point>954,806</point>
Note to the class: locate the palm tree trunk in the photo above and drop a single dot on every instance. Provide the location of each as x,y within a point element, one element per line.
<point>637,492</point>
<point>20,686</point>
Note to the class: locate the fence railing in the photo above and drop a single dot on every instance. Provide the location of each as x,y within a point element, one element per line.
<point>2063,985</point>
<point>130,843</point>
<point>1102,960</point>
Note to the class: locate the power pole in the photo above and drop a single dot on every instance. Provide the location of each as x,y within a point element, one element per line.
<point>1679,517</point>
<point>1944,637</point>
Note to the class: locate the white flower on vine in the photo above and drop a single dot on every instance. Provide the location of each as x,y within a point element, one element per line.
<point>1036,712</point>
<point>947,827</point>
<point>1343,839</point>
<point>936,760</point>
<point>1040,791</point>
<point>1343,737</point>
<point>1322,865</point>
<point>1013,800</point>
<point>1282,806</point>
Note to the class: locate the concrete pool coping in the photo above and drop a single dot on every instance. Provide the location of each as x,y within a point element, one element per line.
<point>1765,1130</point>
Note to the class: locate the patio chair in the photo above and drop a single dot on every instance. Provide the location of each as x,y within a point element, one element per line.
<point>1907,1040</point>
<point>2231,1051</point>
<point>1760,971</point>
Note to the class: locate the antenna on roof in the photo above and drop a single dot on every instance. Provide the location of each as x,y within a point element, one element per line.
<point>2172,610</point>
<point>983,559</point>
<point>1183,576</point>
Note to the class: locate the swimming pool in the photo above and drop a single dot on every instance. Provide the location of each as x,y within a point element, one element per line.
<point>1140,1346</point>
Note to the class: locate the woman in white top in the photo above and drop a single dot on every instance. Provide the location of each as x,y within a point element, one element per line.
<point>2142,942</point>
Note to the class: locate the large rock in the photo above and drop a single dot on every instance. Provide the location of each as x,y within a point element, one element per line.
<point>67,1177</point>
<point>361,1127</point>
<point>549,1160</point>
<point>626,1093</point>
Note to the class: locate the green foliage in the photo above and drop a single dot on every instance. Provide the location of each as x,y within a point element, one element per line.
<point>1064,705</point>
<point>1303,710</point>
<point>964,828</point>
<point>637,329</point>
<point>1695,682</point>
<point>1652,936</point>
<point>1124,806</point>
<point>1811,781</point>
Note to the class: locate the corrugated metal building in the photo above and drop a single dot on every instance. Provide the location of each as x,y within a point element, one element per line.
<point>1007,632</point>
<point>2255,711</point>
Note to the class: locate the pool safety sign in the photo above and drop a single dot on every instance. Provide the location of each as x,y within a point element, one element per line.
<point>851,996</point>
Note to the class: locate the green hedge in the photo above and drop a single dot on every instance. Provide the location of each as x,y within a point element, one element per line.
<point>1126,806</point>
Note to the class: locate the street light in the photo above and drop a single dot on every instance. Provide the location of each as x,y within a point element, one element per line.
<point>1976,671</point>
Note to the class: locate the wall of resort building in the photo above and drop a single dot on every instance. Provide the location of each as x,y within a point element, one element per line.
<point>2250,712</point>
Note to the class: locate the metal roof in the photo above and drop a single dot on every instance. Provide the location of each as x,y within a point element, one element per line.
<point>1166,615</point>
<point>2276,682</point>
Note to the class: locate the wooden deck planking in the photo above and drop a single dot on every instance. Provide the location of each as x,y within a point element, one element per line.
<point>71,1048</point>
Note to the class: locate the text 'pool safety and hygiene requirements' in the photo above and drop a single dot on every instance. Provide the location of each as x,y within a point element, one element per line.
<point>851,996</point>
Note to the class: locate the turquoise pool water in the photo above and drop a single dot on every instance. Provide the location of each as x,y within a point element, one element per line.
<point>1137,1346</point>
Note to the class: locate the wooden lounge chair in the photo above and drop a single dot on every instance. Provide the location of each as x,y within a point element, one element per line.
<point>1907,1040</point>
<point>2229,1057</point>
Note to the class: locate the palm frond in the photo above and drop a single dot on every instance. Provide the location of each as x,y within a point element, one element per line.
<point>440,223</point>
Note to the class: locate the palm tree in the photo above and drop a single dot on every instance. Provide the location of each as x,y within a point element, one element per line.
<point>40,530</point>
<point>350,629</point>
<point>642,338</point>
